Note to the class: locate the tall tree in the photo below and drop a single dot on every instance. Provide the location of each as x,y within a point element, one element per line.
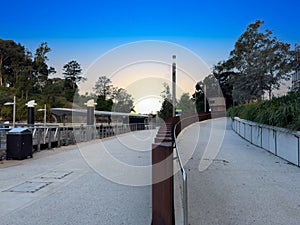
<point>225,75</point>
<point>25,81</point>
<point>41,70</point>
<point>260,61</point>
<point>186,104</point>
<point>123,102</point>
<point>104,87</point>
<point>54,91</point>
<point>72,74</point>
<point>104,91</point>
<point>198,97</point>
<point>166,110</point>
<point>12,58</point>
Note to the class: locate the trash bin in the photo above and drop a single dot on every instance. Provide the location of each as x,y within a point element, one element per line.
<point>18,143</point>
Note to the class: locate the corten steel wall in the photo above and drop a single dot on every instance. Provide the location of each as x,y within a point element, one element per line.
<point>162,192</point>
<point>187,120</point>
<point>162,176</point>
<point>279,141</point>
<point>162,151</point>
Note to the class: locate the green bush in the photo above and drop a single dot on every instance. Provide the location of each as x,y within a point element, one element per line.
<point>281,111</point>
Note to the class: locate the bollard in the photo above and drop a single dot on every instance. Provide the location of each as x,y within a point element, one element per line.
<point>90,112</point>
<point>30,110</point>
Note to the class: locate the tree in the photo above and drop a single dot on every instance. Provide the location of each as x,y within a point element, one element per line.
<point>13,58</point>
<point>104,104</point>
<point>112,98</point>
<point>103,87</point>
<point>260,62</point>
<point>41,70</point>
<point>104,90</point>
<point>166,110</point>
<point>72,74</point>
<point>54,90</point>
<point>198,98</point>
<point>208,88</point>
<point>225,75</point>
<point>123,102</point>
<point>25,81</point>
<point>186,104</point>
<point>166,94</point>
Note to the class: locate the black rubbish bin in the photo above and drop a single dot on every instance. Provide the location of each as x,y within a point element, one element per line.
<point>18,143</point>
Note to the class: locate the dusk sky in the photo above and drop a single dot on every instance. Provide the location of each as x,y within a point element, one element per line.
<point>85,30</point>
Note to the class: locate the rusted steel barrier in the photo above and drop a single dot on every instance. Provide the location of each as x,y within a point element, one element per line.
<point>162,177</point>
<point>162,169</point>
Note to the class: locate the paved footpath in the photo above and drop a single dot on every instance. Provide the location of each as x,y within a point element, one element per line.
<point>243,185</point>
<point>76,192</point>
<point>237,183</point>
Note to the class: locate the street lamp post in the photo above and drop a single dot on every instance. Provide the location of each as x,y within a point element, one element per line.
<point>204,91</point>
<point>45,113</point>
<point>174,85</point>
<point>14,109</point>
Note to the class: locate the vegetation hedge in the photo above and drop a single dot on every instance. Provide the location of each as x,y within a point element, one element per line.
<point>279,111</point>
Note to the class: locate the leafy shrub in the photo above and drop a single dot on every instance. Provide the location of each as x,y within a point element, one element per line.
<point>281,111</point>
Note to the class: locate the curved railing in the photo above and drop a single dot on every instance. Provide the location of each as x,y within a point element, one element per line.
<point>180,125</point>
<point>184,178</point>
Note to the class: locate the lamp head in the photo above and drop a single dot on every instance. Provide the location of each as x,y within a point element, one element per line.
<point>8,103</point>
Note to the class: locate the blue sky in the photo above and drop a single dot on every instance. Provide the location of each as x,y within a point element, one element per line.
<point>83,30</point>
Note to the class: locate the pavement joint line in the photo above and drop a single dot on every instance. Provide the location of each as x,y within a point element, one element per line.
<point>56,175</point>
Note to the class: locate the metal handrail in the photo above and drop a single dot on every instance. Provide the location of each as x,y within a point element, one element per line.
<point>184,178</point>
<point>184,174</point>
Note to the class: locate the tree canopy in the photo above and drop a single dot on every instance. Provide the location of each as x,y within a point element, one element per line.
<point>27,76</point>
<point>186,104</point>
<point>258,65</point>
<point>166,110</point>
<point>110,98</point>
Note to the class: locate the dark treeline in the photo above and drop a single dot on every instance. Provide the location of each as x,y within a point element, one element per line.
<point>26,75</point>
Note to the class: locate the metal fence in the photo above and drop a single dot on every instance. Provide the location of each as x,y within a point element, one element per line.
<point>56,136</point>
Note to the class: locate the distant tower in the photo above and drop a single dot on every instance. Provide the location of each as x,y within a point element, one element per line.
<point>296,75</point>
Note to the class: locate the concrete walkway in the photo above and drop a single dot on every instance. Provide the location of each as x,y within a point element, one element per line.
<point>243,184</point>
<point>105,182</point>
<point>75,191</point>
